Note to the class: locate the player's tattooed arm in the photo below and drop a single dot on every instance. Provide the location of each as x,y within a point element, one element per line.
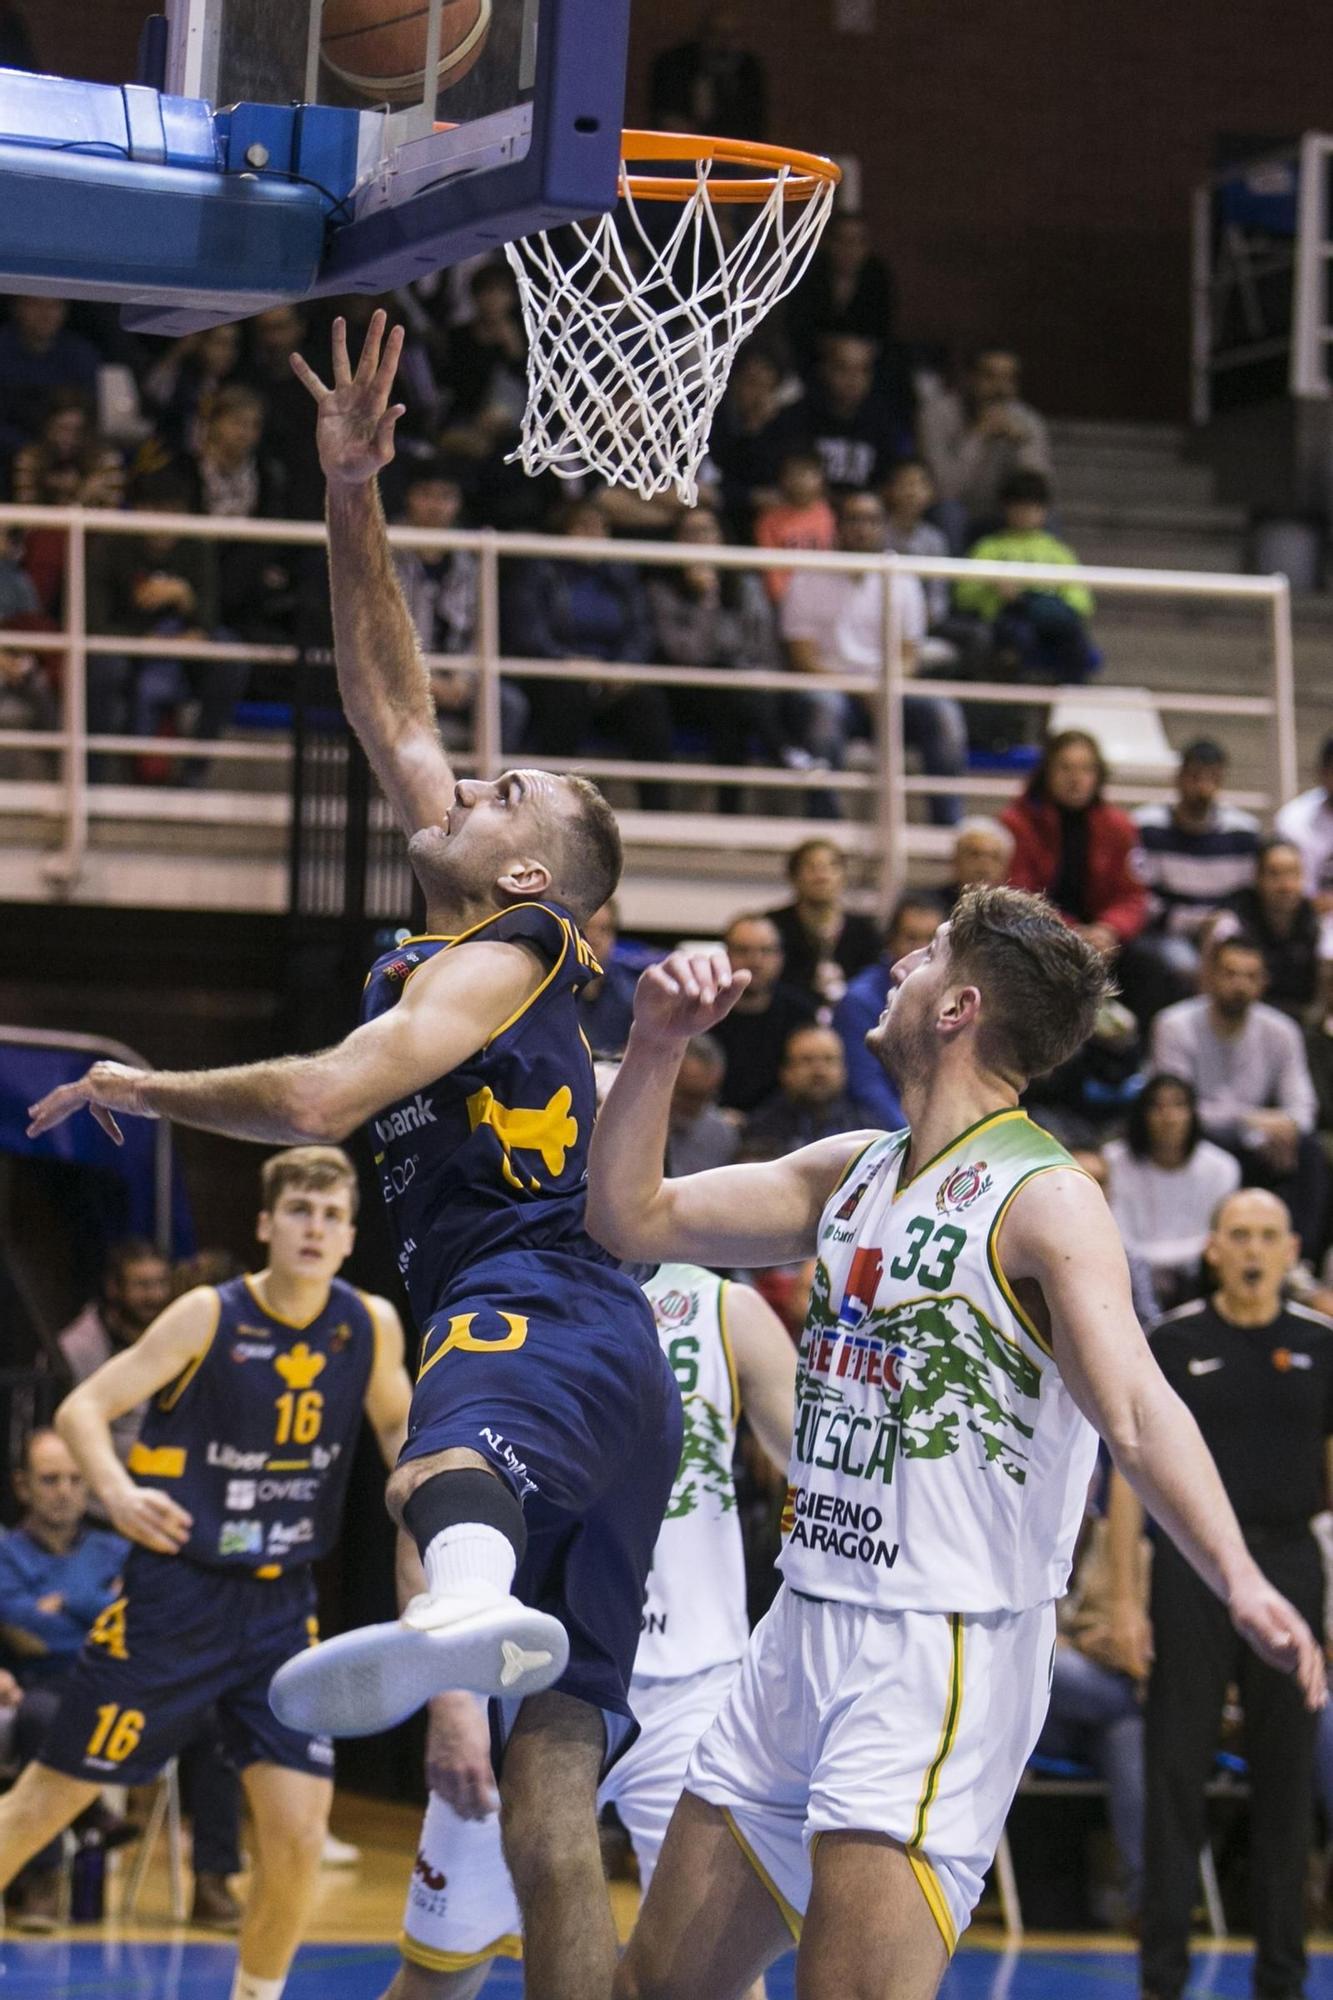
<point>447,1011</point>
<point>765,1360</point>
<point>382,678</point>
<point>747,1215</point>
<point>389,1391</point>
<point>177,1337</point>
<point>1062,1253</point>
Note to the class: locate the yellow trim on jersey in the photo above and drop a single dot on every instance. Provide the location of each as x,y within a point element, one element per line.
<point>163,1461</point>
<point>971,1131</point>
<point>993,1252</point>
<point>936,1901</point>
<point>168,1398</point>
<point>269,1572</point>
<point>723,1288</point>
<point>425,1955</point>
<point>296,1325</point>
<point>953,1709</point>
<point>791,1917</point>
<point>533,998</point>
<point>851,1166</point>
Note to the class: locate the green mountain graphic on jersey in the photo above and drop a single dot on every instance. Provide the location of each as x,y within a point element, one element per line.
<point>705,1461</point>
<point>955,1372</point>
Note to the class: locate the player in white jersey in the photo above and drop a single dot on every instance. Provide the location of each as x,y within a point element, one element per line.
<point>970,1323</point>
<point>728,1351</point>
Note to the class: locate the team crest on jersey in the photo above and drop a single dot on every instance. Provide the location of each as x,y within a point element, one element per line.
<point>962,1187</point>
<point>299,1368</point>
<point>675,1308</point>
<point>399,968</point>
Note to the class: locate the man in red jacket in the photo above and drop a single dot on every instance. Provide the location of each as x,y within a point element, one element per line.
<point>1075,848</point>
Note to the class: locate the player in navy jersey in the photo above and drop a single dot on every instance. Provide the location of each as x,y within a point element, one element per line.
<point>545,1426</point>
<point>234,1489</point>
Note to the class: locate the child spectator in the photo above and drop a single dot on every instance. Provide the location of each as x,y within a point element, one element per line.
<point>1038,632</point>
<point>802,517</point>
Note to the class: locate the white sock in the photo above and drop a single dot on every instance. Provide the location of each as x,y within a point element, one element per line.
<point>468,1560</point>
<point>248,1986</point>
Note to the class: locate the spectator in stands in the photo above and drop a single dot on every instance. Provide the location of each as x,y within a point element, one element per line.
<point>556,610</point>
<point>1247,1064</point>
<point>983,849</point>
<point>606,1004</point>
<point>704,616</point>
<point>441,589</point>
<point>67,464</point>
<point>1319,1053</point>
<point>27,702</point>
<point>157,586</point>
<point>136,1285</point>
<point>1074,847</point>
<point>213,1266</point>
<point>915,919</point>
<point>848,288</point>
<point>851,424</point>
<point>753,434</point>
<point>824,944</point>
<point>811,1101</point>
<point>1095,1715</point>
<point>1088,1096</point>
<point>700,1136</point>
<point>1166,1180</point>
<point>1038,632</point>
<point>711,84</point>
<point>1283,921</point>
<point>38,355</point>
<point>973,442</point>
<point>486,369</point>
<point>1307,821</point>
<point>274,335</point>
<point>180,385</point>
<point>754,1034</point>
<point>1195,854</point>
<point>908,497</point>
<point>834,623</point>
<point>58,1578</point>
<point>800,518</point>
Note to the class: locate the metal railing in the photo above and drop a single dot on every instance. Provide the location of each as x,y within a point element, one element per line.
<point>75,803</point>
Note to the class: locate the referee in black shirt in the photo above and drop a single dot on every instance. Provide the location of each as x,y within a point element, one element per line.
<point>1258,1377</point>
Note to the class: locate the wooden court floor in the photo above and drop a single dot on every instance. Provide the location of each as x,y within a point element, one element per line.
<point>350,1951</point>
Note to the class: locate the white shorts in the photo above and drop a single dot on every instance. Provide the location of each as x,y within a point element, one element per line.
<point>461,1907</point>
<point>913,1724</point>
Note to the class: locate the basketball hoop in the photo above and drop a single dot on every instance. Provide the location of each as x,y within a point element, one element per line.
<point>632,329</point>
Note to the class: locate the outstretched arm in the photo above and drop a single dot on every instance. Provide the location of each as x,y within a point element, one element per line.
<point>384,686</point>
<point>749,1215</point>
<point>1059,1237</point>
<point>448,1009</point>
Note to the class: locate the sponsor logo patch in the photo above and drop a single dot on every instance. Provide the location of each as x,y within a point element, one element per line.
<point>241,1538</point>
<point>240,1496</point>
<point>413,1116</point>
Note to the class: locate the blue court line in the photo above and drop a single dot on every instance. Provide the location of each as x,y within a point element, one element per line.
<point>69,1969</point>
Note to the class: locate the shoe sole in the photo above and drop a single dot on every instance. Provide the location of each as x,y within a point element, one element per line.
<point>366,1681</point>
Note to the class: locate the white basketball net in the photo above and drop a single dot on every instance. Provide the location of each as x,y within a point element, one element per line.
<point>631,341</point>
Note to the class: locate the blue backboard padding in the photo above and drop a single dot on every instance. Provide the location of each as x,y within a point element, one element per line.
<point>80,225</point>
<point>79,118</point>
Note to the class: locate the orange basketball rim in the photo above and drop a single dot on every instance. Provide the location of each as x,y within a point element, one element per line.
<point>805,173</point>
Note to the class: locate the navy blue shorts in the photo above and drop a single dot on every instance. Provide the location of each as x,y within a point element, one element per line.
<point>553,1373</point>
<point>182,1639</point>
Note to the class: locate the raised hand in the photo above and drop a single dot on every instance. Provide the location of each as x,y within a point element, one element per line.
<point>108,1087</point>
<point>687,994</point>
<point>355,425</point>
<point>1280,1636</point>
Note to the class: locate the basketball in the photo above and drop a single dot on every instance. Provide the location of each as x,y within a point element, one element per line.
<point>378,49</point>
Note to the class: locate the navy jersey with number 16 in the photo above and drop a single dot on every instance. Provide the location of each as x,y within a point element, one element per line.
<point>255,1437</point>
<point>489,1164</point>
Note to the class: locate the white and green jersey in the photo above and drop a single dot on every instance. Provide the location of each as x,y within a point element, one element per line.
<point>939,1461</point>
<point>694,1613</point>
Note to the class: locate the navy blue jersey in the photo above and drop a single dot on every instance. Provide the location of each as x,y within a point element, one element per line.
<point>255,1437</point>
<point>490,1162</point>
